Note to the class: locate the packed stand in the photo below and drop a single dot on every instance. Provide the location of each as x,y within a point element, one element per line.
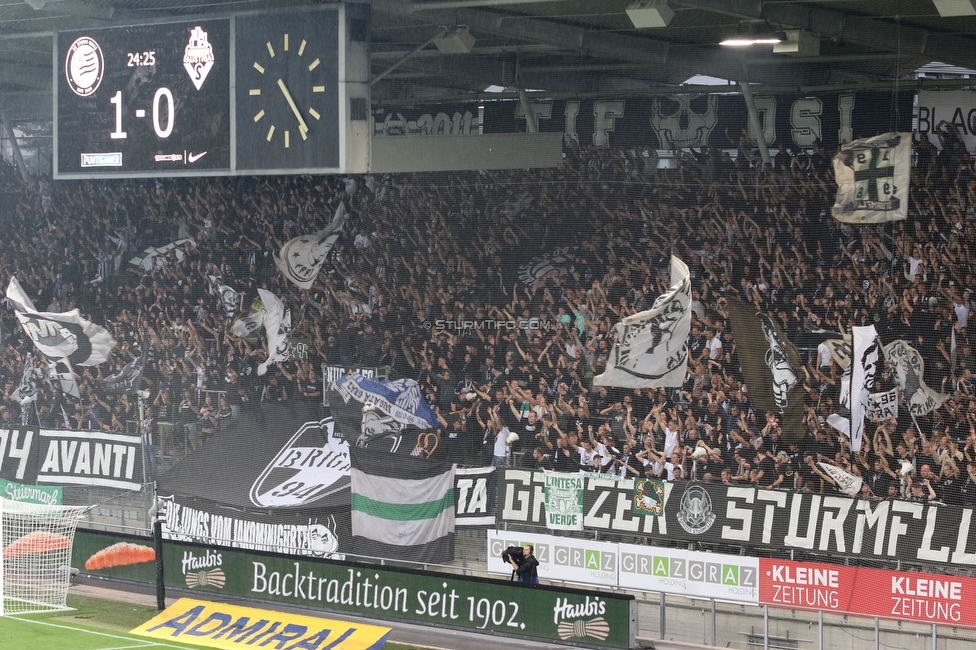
<point>497,291</point>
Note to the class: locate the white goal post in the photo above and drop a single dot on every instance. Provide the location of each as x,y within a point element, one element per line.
<point>35,542</point>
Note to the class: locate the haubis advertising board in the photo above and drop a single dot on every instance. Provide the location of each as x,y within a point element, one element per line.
<point>688,573</point>
<point>560,558</point>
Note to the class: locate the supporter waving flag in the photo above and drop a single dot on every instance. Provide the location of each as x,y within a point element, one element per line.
<point>274,329</point>
<point>301,258</point>
<point>872,179</point>
<point>64,335</point>
<point>400,399</point>
<point>651,347</point>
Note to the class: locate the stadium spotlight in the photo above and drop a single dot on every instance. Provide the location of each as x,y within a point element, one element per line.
<point>457,41</point>
<point>950,8</point>
<point>650,13</point>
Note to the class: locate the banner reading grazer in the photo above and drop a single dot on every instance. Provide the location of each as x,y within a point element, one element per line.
<point>746,516</point>
<point>587,618</point>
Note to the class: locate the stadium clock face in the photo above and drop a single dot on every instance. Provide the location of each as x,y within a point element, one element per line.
<point>150,98</point>
<point>287,83</point>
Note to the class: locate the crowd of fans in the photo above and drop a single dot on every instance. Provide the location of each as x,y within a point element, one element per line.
<point>498,290</point>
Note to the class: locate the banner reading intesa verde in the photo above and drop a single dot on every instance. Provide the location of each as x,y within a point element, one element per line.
<point>585,618</point>
<point>641,568</point>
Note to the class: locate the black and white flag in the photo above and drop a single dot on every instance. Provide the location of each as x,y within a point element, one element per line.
<point>849,484</point>
<point>884,405</point>
<point>28,384</point>
<point>909,369</point>
<point>301,258</point>
<point>245,326</point>
<point>864,368</point>
<point>872,179</point>
<point>60,372</point>
<point>274,329</point>
<point>770,366</point>
<point>128,379</point>
<point>229,299</point>
<point>63,335</point>
<point>651,347</point>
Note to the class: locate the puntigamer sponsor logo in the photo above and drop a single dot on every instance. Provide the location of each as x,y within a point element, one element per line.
<point>676,572</point>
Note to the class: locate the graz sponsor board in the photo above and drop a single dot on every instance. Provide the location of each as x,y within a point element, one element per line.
<point>745,516</point>
<point>57,457</point>
<point>868,592</point>
<point>586,618</point>
<point>690,574</point>
<point>560,558</point>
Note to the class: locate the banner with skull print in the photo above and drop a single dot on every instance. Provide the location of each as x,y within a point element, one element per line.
<point>864,368</point>
<point>770,365</point>
<point>872,179</point>
<point>301,258</point>
<point>650,348</point>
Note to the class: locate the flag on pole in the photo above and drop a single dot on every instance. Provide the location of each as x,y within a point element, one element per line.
<point>229,299</point>
<point>301,258</point>
<point>400,399</point>
<point>864,368</point>
<point>274,329</point>
<point>60,372</point>
<point>770,366</point>
<point>127,380</point>
<point>64,335</point>
<point>872,179</point>
<point>28,385</point>
<point>849,484</point>
<point>245,326</point>
<point>651,348</point>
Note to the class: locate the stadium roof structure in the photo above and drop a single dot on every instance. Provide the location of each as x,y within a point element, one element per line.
<point>431,50</point>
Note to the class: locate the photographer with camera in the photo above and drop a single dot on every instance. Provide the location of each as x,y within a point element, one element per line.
<point>528,569</point>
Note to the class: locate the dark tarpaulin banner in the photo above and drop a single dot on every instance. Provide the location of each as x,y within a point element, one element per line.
<point>682,121</point>
<point>436,120</point>
<point>313,532</point>
<point>828,525</point>
<point>273,456</point>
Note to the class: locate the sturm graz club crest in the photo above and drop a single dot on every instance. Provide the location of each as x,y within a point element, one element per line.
<point>313,464</point>
<point>695,512</point>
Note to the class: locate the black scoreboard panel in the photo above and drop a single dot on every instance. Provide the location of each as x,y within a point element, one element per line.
<point>250,93</point>
<point>150,99</point>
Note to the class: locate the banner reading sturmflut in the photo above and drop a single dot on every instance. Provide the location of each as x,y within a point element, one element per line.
<point>872,179</point>
<point>651,347</point>
<point>564,501</point>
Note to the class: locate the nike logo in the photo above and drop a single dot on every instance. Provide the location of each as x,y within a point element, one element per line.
<point>193,157</point>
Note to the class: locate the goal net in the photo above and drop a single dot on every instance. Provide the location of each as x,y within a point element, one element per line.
<point>36,540</point>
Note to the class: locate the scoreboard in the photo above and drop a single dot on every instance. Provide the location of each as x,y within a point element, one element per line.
<point>243,94</point>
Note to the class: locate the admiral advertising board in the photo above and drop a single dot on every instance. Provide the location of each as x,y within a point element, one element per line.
<point>745,516</point>
<point>585,618</point>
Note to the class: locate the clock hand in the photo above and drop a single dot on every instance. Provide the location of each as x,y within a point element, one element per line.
<point>302,127</point>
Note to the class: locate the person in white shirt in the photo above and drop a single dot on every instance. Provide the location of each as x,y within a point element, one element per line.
<point>712,348</point>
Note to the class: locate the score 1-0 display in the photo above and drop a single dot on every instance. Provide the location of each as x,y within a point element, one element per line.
<point>152,98</point>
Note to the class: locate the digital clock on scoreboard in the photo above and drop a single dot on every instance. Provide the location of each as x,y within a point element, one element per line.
<point>144,99</point>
